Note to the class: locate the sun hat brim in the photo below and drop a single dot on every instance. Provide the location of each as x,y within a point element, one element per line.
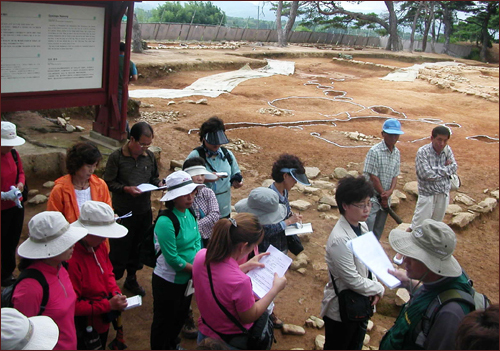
<point>52,248</point>
<point>45,334</point>
<point>199,170</point>
<point>187,189</point>
<point>13,142</point>
<point>112,231</point>
<point>404,243</point>
<point>264,216</point>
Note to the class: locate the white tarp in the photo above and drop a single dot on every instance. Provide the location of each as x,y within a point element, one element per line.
<point>213,86</point>
<point>409,74</point>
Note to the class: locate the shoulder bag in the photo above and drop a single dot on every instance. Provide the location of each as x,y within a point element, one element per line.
<point>259,337</point>
<point>353,307</point>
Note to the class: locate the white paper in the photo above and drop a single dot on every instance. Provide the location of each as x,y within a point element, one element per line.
<point>292,229</point>
<point>145,187</point>
<point>189,288</point>
<point>367,248</point>
<point>134,301</point>
<point>263,278</point>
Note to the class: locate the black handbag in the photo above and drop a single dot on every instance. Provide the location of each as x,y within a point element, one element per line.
<point>353,307</point>
<point>259,337</point>
<point>294,244</point>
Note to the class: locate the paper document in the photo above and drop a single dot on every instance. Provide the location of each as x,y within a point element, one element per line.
<point>367,248</point>
<point>134,301</point>
<point>292,229</point>
<point>126,215</point>
<point>263,278</point>
<point>145,187</point>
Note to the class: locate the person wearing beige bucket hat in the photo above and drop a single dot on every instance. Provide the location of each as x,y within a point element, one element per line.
<point>99,298</point>
<point>51,241</point>
<point>12,184</point>
<point>428,259</point>
<point>22,333</point>
<point>174,265</point>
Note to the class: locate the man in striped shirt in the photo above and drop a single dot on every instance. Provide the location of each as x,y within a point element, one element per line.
<point>382,169</point>
<point>434,164</point>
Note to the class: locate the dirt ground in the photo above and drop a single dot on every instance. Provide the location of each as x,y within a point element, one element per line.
<point>366,97</point>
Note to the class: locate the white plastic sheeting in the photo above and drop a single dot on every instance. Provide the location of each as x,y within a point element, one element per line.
<point>213,86</point>
<point>409,74</point>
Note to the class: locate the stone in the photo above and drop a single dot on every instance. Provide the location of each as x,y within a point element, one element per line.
<point>297,264</point>
<point>318,322</point>
<point>170,103</point>
<point>364,347</point>
<point>50,184</point>
<point>188,102</point>
<point>266,183</point>
<point>453,208</point>
<point>339,173</point>
<point>302,271</point>
<point>464,199</point>
<point>402,297</point>
<point>323,184</point>
<point>320,266</point>
<point>202,102</point>
<point>461,219</point>
<point>33,192</point>
<point>291,329</point>
<point>328,217</point>
<point>38,199</point>
<point>80,129</point>
<point>328,200</point>
<point>324,208</point>
<point>489,203</point>
<point>399,194</point>
<point>312,172</point>
<point>367,340</point>
<point>175,163</point>
<point>319,342</point>
<point>495,194</point>
<point>303,256</point>
<point>312,190</point>
<point>299,187</point>
<point>61,121</point>
<point>369,327</point>
<point>403,226</point>
<point>411,188</point>
<point>70,128</point>
<point>394,201</point>
<point>373,347</point>
<point>300,205</point>
<point>355,174</point>
<point>310,323</point>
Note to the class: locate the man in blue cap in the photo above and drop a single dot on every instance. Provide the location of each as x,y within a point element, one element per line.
<point>382,169</point>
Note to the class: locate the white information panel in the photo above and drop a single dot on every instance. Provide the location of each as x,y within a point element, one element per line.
<point>51,47</point>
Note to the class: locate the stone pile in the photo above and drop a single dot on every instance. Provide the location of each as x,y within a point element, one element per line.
<point>274,111</point>
<point>64,123</point>
<point>155,117</point>
<point>242,146</point>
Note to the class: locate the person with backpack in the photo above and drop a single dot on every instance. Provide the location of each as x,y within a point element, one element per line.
<point>99,299</point>
<point>12,214</point>
<point>219,279</point>
<point>428,259</point>
<point>50,243</point>
<point>172,273</point>
<point>218,159</point>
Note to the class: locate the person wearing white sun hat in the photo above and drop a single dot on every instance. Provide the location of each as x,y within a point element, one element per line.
<point>13,182</point>
<point>174,266</point>
<point>22,333</point>
<point>51,241</point>
<point>99,298</point>
<point>428,259</point>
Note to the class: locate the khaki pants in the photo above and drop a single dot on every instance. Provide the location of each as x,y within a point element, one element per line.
<point>433,207</point>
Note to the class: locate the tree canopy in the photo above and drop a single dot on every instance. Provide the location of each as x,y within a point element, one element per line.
<point>198,12</point>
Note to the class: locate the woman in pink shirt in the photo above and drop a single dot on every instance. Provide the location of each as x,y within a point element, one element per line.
<point>51,241</point>
<point>232,240</point>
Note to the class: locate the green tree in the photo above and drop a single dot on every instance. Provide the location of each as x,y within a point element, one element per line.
<point>192,12</point>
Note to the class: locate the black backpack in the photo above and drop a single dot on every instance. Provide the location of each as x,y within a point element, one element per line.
<point>203,155</point>
<point>27,273</point>
<point>148,255</point>
<point>25,190</point>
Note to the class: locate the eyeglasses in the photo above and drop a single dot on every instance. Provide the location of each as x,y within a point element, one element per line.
<point>145,145</point>
<point>363,206</point>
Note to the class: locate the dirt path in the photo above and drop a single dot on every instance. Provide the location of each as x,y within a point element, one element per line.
<point>477,248</point>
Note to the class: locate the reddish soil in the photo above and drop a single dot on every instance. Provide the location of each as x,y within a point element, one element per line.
<point>477,248</point>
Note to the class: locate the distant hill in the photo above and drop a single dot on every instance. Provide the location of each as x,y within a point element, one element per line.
<point>243,9</point>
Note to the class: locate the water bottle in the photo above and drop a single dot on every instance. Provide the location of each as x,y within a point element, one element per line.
<point>92,339</point>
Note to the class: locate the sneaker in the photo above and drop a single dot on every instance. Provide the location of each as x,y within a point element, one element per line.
<point>189,330</point>
<point>278,323</point>
<point>133,286</point>
<point>8,281</point>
